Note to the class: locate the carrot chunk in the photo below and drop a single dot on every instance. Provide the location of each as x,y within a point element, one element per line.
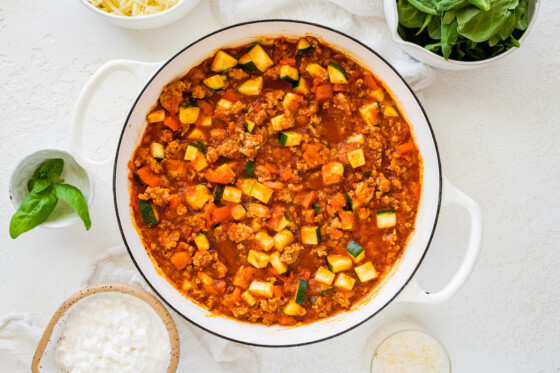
<point>181,259</point>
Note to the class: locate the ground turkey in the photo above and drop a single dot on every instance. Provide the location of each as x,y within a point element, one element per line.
<point>202,258</point>
<point>239,232</point>
<point>172,95</point>
<point>291,253</point>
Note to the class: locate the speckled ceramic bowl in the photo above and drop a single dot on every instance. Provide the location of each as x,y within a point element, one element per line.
<point>43,354</point>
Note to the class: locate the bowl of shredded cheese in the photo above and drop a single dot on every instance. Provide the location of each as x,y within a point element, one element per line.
<point>110,327</point>
<point>140,14</point>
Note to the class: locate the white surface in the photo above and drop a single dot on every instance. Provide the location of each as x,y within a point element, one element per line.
<point>497,132</point>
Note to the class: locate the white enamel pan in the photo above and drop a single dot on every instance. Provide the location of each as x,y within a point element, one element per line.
<point>436,192</point>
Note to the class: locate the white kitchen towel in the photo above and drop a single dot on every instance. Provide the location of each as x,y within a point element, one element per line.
<point>361,19</point>
<point>200,351</point>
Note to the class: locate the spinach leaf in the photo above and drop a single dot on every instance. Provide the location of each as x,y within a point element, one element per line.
<point>478,25</point>
<point>426,6</point>
<point>34,210</point>
<point>481,4</point>
<point>521,21</point>
<point>409,16</point>
<point>425,24</point>
<point>449,37</point>
<point>434,28</point>
<point>444,5</point>
<point>74,198</point>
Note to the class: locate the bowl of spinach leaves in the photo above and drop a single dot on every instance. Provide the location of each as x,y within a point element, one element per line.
<point>460,34</point>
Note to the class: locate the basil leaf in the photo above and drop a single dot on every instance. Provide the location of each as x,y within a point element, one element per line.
<point>40,185</point>
<point>409,16</point>
<point>74,198</point>
<point>49,170</point>
<point>34,210</point>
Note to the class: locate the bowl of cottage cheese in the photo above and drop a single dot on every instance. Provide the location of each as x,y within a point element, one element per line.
<point>111,327</point>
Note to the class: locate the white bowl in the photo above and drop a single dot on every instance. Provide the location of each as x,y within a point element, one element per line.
<point>435,60</point>
<point>146,22</point>
<point>63,215</point>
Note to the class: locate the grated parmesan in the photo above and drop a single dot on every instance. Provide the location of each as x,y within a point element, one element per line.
<point>410,352</point>
<point>133,8</point>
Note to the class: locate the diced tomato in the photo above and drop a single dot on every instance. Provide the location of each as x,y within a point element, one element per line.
<point>244,276</point>
<point>286,173</point>
<point>221,214</point>
<point>273,184</point>
<point>340,87</point>
<point>176,168</point>
<point>338,201</point>
<point>405,148</point>
<point>181,259</point>
<point>308,199</point>
<point>174,202</point>
<point>171,122</point>
<point>288,61</point>
<point>305,274</point>
<point>230,95</point>
<point>221,175</point>
<point>370,82</point>
<point>190,190</point>
<point>278,291</point>
<point>281,154</point>
<point>209,289</point>
<point>205,108</point>
<point>235,296</point>
<point>271,168</point>
<point>148,177</point>
<point>311,154</point>
<point>323,92</point>
<point>277,215</point>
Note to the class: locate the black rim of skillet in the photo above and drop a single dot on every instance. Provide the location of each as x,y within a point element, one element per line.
<point>124,129</point>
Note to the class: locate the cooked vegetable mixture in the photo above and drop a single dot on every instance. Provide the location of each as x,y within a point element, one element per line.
<point>276,183</point>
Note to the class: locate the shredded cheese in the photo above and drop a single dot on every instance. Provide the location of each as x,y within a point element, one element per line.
<point>133,8</point>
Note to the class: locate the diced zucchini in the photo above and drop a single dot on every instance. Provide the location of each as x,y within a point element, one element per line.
<point>138,179</point>
<point>356,139</point>
<point>316,207</point>
<point>224,104</point>
<point>262,288</point>
<point>201,242</point>
<point>247,297</point>
<point>279,266</point>
<point>390,111</point>
<point>260,58</point>
<point>291,101</point>
<point>325,289</point>
<point>332,173</point>
<point>218,192</point>
<point>191,152</point>
<point>302,47</point>
<point>257,259</point>
<point>249,125</point>
<point>378,95</point>
<point>283,223</point>
<point>324,276</point>
<point>366,272</point>
<point>289,74</point>
<point>339,263</point>
<point>317,71</point>
<point>386,218</point>
<point>294,309</point>
<point>215,82</point>
<point>156,116</point>
<point>196,134</point>
<point>311,235</point>
<point>222,62</point>
<point>261,192</point>
<point>217,227</point>
<point>238,212</point>
<point>344,282</point>
<point>289,138</point>
<point>249,168</point>
<point>301,292</point>
<point>148,212</point>
<point>246,64</point>
<point>199,163</point>
<point>205,278</point>
<point>188,114</point>
<point>281,122</point>
<point>356,251</point>
<point>369,112</point>
<point>206,121</point>
<point>301,87</point>
<point>283,239</point>
<point>156,149</point>
<point>336,73</point>
<point>187,285</point>
<point>247,186</point>
<point>198,199</point>
<point>251,87</point>
<point>349,202</point>
<point>356,158</point>
<point>231,194</point>
<point>264,240</point>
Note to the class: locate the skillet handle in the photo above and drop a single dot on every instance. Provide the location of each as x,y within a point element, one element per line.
<point>413,292</point>
<point>101,169</point>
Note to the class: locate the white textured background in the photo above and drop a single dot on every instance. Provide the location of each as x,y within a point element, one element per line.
<point>498,133</point>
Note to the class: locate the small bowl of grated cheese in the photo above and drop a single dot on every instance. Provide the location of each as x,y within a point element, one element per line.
<point>110,327</point>
<point>140,14</point>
